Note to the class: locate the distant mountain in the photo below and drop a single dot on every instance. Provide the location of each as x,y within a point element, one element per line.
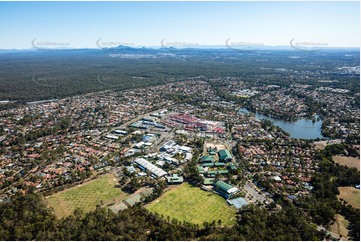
<point>185,49</point>
<point>124,47</point>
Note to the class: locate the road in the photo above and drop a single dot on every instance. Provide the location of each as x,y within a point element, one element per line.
<point>139,117</point>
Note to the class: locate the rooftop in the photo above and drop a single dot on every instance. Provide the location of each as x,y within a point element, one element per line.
<point>224,154</point>
<point>238,202</point>
<point>224,187</point>
<point>150,167</point>
<point>175,178</point>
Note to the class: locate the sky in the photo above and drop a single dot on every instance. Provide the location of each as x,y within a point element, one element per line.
<point>25,25</point>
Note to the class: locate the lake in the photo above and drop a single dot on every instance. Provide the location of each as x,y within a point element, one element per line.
<point>300,129</point>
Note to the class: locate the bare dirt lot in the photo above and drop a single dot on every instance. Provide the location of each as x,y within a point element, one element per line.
<point>213,145</point>
<point>347,161</point>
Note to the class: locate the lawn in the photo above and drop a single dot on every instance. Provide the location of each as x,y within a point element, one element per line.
<point>348,161</point>
<point>85,196</point>
<point>351,195</point>
<point>191,204</point>
<point>320,145</point>
<point>340,226</point>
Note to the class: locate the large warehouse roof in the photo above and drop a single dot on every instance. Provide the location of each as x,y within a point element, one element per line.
<point>224,187</point>
<point>224,154</point>
<point>150,167</point>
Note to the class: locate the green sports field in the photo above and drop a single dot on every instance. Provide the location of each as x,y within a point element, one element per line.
<point>191,204</point>
<point>85,196</point>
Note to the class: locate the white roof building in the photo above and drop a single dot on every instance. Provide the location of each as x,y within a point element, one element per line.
<point>144,164</point>
<point>139,145</point>
<point>169,144</point>
<point>113,137</point>
<point>277,178</point>
<point>185,149</point>
<point>123,132</point>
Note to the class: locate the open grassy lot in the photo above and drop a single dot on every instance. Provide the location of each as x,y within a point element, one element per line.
<point>85,196</point>
<point>191,204</point>
<point>340,226</point>
<point>351,195</point>
<point>348,161</point>
<point>320,145</point>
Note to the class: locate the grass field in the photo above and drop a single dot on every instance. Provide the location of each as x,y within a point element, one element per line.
<point>320,145</point>
<point>351,195</point>
<point>340,226</point>
<point>347,161</point>
<point>85,196</point>
<point>191,204</point>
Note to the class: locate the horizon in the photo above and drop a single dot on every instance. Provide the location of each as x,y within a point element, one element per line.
<point>216,47</point>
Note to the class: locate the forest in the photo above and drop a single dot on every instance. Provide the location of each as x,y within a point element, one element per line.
<point>47,74</point>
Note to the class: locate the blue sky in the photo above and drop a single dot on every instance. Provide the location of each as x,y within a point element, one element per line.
<point>82,24</point>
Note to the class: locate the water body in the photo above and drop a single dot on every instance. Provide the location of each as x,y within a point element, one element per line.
<point>300,129</point>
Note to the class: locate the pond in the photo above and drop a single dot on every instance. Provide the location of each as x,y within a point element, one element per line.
<point>300,129</point>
